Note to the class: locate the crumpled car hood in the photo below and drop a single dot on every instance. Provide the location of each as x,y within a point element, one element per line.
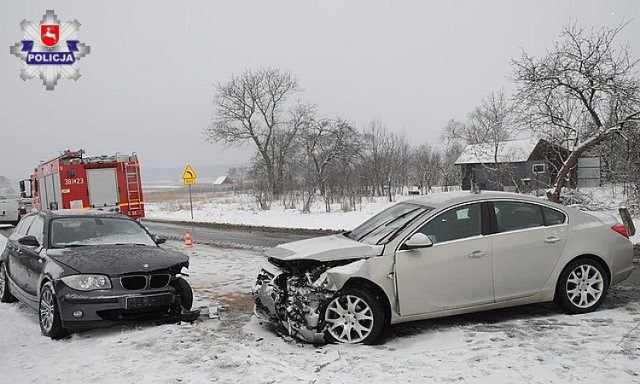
<point>326,248</point>
<point>117,260</point>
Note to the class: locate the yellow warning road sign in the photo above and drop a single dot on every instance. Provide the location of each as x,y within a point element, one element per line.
<point>189,176</point>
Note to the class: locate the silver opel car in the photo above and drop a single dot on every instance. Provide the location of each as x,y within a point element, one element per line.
<point>438,256</point>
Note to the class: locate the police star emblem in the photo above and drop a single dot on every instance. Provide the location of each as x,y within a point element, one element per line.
<point>50,50</point>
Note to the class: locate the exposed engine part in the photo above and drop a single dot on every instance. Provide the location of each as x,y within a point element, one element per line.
<point>295,295</point>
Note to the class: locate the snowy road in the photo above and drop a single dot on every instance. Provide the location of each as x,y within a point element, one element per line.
<point>532,344</point>
<point>228,235</point>
<point>224,236</point>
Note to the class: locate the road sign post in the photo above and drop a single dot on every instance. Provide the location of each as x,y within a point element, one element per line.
<point>189,178</point>
<point>190,201</point>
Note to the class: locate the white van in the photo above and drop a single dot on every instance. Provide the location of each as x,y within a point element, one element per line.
<point>9,211</point>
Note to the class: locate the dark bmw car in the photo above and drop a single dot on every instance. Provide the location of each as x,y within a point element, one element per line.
<point>84,269</point>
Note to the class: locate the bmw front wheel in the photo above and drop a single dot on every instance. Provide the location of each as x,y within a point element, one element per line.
<point>49,314</point>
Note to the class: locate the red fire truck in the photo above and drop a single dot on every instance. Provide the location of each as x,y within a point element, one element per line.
<point>73,181</point>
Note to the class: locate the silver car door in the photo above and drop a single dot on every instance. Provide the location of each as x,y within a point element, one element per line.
<point>525,251</point>
<point>455,272</point>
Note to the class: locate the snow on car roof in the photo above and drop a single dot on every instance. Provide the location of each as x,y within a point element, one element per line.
<point>441,200</point>
<point>83,212</point>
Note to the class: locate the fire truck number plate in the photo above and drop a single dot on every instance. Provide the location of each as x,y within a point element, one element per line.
<point>78,181</point>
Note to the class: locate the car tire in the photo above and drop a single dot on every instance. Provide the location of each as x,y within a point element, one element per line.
<point>5,292</point>
<point>49,314</point>
<point>582,286</point>
<point>353,316</point>
<point>185,292</point>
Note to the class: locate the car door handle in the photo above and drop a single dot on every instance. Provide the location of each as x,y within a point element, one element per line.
<point>477,254</point>
<point>552,240</point>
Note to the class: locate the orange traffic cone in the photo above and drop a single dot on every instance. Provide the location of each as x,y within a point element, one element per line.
<point>187,241</point>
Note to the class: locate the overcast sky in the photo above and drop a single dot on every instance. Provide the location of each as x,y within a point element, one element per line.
<point>147,85</point>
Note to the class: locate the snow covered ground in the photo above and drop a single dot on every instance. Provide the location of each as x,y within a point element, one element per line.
<point>531,344</point>
<point>242,210</point>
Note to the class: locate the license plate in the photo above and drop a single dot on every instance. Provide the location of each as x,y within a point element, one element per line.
<point>138,302</point>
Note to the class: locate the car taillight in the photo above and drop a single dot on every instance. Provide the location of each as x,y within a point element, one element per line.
<point>620,228</point>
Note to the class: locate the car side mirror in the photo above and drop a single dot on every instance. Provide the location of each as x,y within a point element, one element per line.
<point>29,241</point>
<point>418,240</point>
<point>159,240</point>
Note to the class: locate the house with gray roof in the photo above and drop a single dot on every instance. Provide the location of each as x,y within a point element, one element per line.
<point>515,165</point>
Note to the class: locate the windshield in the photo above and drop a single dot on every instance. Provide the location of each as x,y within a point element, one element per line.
<point>83,231</point>
<point>383,227</point>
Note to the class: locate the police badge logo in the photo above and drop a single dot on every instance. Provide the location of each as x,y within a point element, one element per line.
<point>50,50</point>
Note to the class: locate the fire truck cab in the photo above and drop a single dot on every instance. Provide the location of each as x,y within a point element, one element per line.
<point>73,181</point>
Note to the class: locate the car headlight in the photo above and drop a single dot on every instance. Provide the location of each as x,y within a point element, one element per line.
<point>87,282</point>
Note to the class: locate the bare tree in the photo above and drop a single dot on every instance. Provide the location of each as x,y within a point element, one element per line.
<point>239,176</point>
<point>620,162</point>
<point>450,174</point>
<point>249,108</point>
<point>403,160</point>
<point>385,159</point>
<point>326,142</point>
<point>426,164</point>
<point>488,127</point>
<point>584,89</point>
<point>372,164</point>
<point>258,175</point>
<point>631,164</point>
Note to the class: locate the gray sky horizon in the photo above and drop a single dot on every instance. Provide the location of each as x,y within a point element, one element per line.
<point>148,84</point>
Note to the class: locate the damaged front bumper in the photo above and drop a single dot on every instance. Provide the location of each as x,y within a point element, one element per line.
<point>293,301</point>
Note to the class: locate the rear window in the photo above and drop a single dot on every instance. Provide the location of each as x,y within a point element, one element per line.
<point>512,216</point>
<point>553,217</point>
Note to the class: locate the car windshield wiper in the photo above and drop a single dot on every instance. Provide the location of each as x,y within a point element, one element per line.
<point>73,246</point>
<point>386,224</point>
<point>143,245</point>
<point>391,235</point>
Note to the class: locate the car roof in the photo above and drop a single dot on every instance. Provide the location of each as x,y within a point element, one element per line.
<point>446,199</point>
<point>49,214</point>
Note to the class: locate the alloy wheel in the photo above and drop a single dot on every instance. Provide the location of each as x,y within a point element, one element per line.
<point>585,286</point>
<point>349,318</point>
<point>47,310</point>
